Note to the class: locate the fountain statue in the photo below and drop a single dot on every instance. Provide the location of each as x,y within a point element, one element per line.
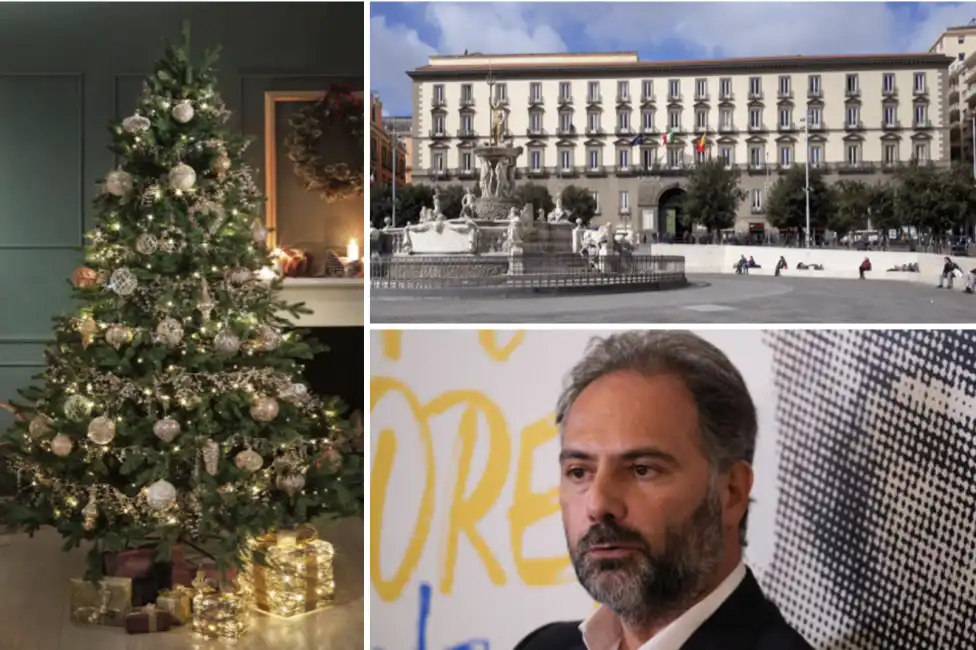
<point>558,214</point>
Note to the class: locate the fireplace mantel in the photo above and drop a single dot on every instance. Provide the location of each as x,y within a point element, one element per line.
<point>335,302</point>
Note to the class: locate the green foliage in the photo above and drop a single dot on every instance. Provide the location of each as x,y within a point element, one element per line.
<point>201,237</point>
<point>786,203</point>
<point>851,201</point>
<point>883,214</point>
<point>450,197</point>
<point>410,199</point>
<point>380,204</point>
<point>712,196</point>
<point>579,203</point>
<point>537,195</point>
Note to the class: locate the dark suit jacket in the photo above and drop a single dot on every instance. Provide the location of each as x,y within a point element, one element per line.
<point>745,621</point>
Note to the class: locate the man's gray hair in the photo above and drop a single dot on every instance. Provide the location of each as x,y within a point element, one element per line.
<point>726,412</point>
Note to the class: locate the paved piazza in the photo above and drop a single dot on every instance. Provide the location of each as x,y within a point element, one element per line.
<point>712,299</point>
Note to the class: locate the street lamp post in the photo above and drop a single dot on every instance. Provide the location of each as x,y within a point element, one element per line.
<point>393,142</point>
<point>806,174</point>
<point>973,133</point>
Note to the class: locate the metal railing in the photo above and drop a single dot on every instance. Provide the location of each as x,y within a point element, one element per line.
<point>535,271</point>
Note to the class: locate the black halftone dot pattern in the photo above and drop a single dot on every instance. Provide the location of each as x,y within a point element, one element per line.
<point>876,514</point>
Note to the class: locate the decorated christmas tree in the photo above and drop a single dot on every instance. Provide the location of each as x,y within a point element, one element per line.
<point>172,407</point>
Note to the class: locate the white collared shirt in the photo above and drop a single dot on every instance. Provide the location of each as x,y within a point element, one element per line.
<point>602,630</point>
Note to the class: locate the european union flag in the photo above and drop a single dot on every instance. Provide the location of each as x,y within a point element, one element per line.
<point>639,140</point>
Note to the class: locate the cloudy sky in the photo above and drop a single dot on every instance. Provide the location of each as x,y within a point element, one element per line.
<point>403,35</point>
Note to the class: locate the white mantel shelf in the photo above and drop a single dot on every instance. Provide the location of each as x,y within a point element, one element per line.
<point>335,302</point>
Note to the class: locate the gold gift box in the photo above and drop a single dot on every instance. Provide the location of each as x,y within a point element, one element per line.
<point>219,615</point>
<point>298,577</point>
<point>105,603</point>
<point>176,601</point>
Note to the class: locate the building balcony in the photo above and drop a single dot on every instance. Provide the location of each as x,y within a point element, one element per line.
<point>467,134</point>
<point>439,174</point>
<point>756,128</point>
<point>623,100</point>
<point>438,134</point>
<point>565,100</point>
<point>594,99</point>
<point>855,168</point>
<point>566,132</point>
<point>852,93</point>
<point>627,170</point>
<point>891,126</point>
<point>649,130</point>
<point>466,102</point>
<point>701,97</point>
<point>594,131</point>
<point>921,124</point>
<point>815,126</point>
<point>786,128</point>
<point>814,93</point>
<point>501,101</point>
<point>466,173</point>
<point>784,94</point>
<point>757,209</point>
<point>754,169</point>
<point>701,128</point>
<point>854,126</point>
<point>438,102</point>
<point>623,131</point>
<point>755,95</point>
<point>536,132</point>
<point>726,96</point>
<point>727,128</point>
<point>595,171</point>
<point>536,172</point>
<point>537,101</point>
<point>782,168</point>
<point>679,169</point>
<point>674,98</point>
<point>890,92</point>
<point>648,100</point>
<point>919,92</point>
<point>567,172</point>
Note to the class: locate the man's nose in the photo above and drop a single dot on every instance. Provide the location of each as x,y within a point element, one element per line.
<point>604,499</point>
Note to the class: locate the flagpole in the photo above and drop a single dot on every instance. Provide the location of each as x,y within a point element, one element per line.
<point>393,138</point>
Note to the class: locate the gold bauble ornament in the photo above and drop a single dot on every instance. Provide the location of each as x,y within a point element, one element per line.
<point>84,277</point>
<point>290,483</point>
<point>264,409</point>
<point>227,342</point>
<point>170,331</point>
<point>40,426</point>
<point>88,328</point>
<point>61,445</point>
<point>160,495</point>
<point>249,460</point>
<point>211,457</point>
<point>101,430</point>
<point>77,408</point>
<point>118,335</point>
<point>167,429</point>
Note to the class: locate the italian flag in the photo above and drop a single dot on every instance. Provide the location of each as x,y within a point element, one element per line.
<point>669,137</point>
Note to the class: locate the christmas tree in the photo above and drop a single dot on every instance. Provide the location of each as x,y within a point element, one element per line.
<point>172,408</point>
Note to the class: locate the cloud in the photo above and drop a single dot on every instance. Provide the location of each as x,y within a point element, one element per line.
<point>656,30</point>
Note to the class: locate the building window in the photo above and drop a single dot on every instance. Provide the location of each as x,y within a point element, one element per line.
<point>962,56</point>
<point>566,159</point>
<point>649,157</point>
<point>674,89</point>
<point>535,160</point>
<point>596,200</point>
<point>755,87</point>
<point>439,124</point>
<point>700,156</point>
<point>853,154</point>
<point>593,91</point>
<point>438,161</point>
<point>674,157</point>
<point>725,118</point>
<point>647,119</point>
<point>755,157</point>
<point>851,84</point>
<point>701,88</point>
<point>888,82</point>
<point>921,152</point>
<point>755,118</point>
<point>594,157</point>
<point>623,158</point>
<point>564,91</point>
<point>816,155</point>
<point>439,92</point>
<point>535,121</point>
<point>501,91</point>
<point>920,82</point>
<point>566,121</point>
<point>535,91</point>
<point>853,116</point>
<point>786,155</point>
<point>725,153</point>
<point>466,161</point>
<point>888,115</point>
<point>623,120</point>
<point>813,85</point>
<point>466,93</point>
<point>785,87</point>
<point>701,118</point>
<point>593,120</point>
<point>623,89</point>
<point>674,119</point>
<point>467,123</point>
<point>921,115</point>
<point>757,199</point>
<point>725,88</point>
<point>890,153</point>
<point>785,117</point>
<point>647,89</point>
<point>814,116</point>
<point>624,200</point>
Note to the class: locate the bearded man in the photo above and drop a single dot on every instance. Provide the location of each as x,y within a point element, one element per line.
<point>658,432</point>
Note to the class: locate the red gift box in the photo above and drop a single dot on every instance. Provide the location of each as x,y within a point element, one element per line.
<point>149,576</point>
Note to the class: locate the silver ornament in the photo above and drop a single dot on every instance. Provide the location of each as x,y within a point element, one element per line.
<point>135,124</point>
<point>61,445</point>
<point>227,342</point>
<point>90,511</point>
<point>101,430</point>
<point>123,282</point>
<point>182,177</point>
<point>146,244</point>
<point>183,111</point>
<point>160,495</point>
<point>238,276</point>
<point>117,336</point>
<point>296,394</point>
<point>77,408</point>
<point>206,304</point>
<point>118,182</point>
<point>222,164</point>
<point>268,339</point>
<point>258,232</point>
<point>211,457</point>
<point>264,409</point>
<point>170,331</point>
<point>40,426</point>
<point>249,460</point>
<point>167,429</point>
<point>290,483</point>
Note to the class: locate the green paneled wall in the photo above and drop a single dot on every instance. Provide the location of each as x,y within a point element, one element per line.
<point>66,70</point>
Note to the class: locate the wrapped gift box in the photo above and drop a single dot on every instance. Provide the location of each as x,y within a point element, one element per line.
<point>148,620</point>
<point>148,576</point>
<point>177,602</point>
<point>105,603</point>
<point>218,615</point>
<point>298,577</point>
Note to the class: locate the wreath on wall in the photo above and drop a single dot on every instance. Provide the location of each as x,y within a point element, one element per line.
<point>333,181</point>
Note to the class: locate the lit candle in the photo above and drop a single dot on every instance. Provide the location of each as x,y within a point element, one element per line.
<point>352,251</point>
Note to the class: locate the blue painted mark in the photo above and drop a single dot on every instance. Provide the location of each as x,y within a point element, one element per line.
<point>423,620</point>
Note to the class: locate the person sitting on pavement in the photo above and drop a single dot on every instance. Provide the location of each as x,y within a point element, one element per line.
<point>781,265</point>
<point>971,281</point>
<point>865,266</point>
<point>752,263</point>
<point>949,270</point>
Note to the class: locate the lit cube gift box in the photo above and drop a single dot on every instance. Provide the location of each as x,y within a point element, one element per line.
<point>218,615</point>
<point>297,577</point>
